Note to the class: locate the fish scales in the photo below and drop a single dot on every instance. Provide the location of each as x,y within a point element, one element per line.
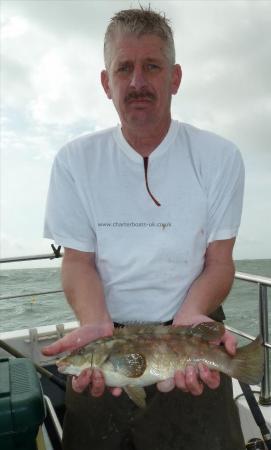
<point>137,356</point>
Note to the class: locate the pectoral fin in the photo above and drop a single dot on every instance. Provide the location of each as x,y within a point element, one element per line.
<point>137,395</point>
<point>132,365</point>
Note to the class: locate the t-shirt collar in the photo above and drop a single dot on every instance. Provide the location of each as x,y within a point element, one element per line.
<point>157,152</point>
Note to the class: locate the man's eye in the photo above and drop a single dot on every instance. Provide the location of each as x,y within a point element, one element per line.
<point>124,68</point>
<point>152,67</point>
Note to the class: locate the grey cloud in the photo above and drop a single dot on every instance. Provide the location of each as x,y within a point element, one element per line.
<point>15,82</point>
<point>228,43</point>
<point>225,53</point>
<point>66,17</point>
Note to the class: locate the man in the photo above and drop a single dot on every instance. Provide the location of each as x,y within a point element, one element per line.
<point>148,213</point>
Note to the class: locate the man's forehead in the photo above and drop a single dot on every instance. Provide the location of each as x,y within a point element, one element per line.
<point>147,46</point>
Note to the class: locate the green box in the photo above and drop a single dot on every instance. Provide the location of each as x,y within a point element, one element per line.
<point>22,408</point>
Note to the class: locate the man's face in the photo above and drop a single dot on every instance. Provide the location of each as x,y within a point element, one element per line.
<point>140,80</point>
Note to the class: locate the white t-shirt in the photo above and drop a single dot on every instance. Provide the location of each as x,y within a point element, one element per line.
<point>147,256</point>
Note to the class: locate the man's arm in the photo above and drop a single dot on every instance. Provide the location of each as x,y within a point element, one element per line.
<point>204,296</point>
<point>213,285</point>
<point>84,292</point>
<point>83,288</point>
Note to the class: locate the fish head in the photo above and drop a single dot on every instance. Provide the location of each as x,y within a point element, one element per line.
<point>75,362</point>
<point>90,356</point>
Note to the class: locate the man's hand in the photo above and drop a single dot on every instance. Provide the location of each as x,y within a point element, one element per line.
<point>193,378</point>
<point>73,341</point>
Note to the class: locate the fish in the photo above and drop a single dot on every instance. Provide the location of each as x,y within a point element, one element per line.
<point>136,356</point>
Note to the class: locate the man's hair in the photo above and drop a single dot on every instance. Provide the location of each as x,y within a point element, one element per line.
<point>139,22</point>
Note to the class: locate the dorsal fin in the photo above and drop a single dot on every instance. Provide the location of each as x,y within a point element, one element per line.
<point>209,331</point>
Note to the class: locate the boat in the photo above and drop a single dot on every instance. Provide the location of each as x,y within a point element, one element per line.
<point>254,402</point>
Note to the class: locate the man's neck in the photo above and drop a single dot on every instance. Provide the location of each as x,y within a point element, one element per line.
<point>145,140</point>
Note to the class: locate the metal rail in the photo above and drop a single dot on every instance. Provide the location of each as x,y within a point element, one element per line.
<point>33,294</point>
<point>258,279</point>
<point>245,335</point>
<point>262,282</point>
<point>28,258</point>
<point>56,254</point>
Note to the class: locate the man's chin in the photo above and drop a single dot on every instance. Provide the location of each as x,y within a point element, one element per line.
<point>140,117</point>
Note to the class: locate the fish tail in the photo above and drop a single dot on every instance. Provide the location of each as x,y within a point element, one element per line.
<point>247,364</point>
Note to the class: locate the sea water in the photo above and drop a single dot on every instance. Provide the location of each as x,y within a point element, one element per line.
<point>241,306</point>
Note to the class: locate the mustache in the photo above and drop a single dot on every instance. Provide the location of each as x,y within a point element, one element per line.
<point>139,95</point>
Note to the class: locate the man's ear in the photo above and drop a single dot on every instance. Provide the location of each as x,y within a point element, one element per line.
<point>176,78</point>
<point>105,83</point>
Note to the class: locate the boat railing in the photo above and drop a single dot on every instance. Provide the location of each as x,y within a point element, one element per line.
<point>263,284</point>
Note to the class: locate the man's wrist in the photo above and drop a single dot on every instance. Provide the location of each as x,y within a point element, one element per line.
<point>189,316</point>
<point>105,323</point>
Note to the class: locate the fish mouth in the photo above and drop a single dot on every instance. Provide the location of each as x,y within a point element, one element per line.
<point>62,366</point>
<point>68,369</point>
<point>62,369</point>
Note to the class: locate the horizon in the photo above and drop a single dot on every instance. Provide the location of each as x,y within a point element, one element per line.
<point>58,264</point>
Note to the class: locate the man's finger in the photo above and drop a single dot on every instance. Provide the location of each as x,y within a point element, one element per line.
<point>166,385</point>
<point>77,338</point>
<point>116,391</point>
<point>70,342</point>
<point>97,385</point>
<point>180,380</point>
<point>193,384</point>
<point>80,383</point>
<point>230,343</point>
<point>60,346</point>
<point>210,377</point>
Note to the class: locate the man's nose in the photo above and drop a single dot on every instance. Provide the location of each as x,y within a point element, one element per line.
<point>138,80</point>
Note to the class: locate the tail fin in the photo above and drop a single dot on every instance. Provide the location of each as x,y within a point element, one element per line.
<point>247,364</point>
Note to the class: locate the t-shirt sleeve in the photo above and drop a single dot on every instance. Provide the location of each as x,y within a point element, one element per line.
<point>67,221</point>
<point>225,196</point>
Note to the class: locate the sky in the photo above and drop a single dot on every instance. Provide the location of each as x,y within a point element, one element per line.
<point>51,59</point>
